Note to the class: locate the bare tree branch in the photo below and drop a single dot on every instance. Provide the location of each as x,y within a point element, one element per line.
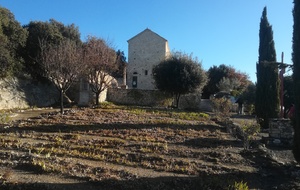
<point>100,60</point>
<point>62,63</point>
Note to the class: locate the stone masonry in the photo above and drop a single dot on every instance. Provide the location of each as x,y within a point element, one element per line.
<point>138,97</point>
<point>282,130</point>
<point>16,93</point>
<point>152,98</point>
<point>145,50</point>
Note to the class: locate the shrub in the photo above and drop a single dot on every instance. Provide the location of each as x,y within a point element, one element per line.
<point>221,107</point>
<point>239,186</point>
<point>250,108</point>
<point>107,105</point>
<point>250,130</point>
<point>4,118</point>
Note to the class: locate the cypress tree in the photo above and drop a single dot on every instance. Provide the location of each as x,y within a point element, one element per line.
<point>267,86</point>
<point>296,78</point>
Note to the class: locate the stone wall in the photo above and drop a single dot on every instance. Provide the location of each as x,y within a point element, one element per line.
<point>190,102</point>
<point>23,93</point>
<point>137,97</point>
<point>282,130</point>
<point>153,98</point>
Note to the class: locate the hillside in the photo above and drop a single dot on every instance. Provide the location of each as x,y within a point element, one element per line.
<point>135,148</point>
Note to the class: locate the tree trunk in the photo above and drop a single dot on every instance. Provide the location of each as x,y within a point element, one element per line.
<point>177,97</point>
<point>97,98</point>
<point>61,101</point>
<point>296,79</point>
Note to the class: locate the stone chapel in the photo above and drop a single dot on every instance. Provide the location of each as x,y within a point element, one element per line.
<point>145,50</point>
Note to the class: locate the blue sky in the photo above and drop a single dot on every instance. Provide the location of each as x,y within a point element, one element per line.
<point>215,31</point>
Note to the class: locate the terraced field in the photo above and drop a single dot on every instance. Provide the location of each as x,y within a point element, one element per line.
<point>133,148</point>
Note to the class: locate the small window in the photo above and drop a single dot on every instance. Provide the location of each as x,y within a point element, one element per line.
<point>146,72</point>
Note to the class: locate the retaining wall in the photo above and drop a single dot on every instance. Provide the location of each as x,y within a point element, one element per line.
<point>137,97</point>
<point>281,129</point>
<point>153,98</point>
<point>20,93</point>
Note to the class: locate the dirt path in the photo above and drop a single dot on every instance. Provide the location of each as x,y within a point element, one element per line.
<point>31,113</point>
<point>240,119</point>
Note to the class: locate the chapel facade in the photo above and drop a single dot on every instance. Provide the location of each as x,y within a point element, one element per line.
<point>145,50</point>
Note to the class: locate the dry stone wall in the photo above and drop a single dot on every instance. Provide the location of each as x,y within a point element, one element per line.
<point>153,98</point>
<point>16,93</point>
<point>137,97</point>
<point>191,102</point>
<point>281,130</point>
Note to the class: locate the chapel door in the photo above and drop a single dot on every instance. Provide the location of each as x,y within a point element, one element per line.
<point>134,82</point>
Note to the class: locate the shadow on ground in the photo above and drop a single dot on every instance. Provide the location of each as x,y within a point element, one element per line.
<point>204,142</point>
<point>203,181</point>
<point>62,127</point>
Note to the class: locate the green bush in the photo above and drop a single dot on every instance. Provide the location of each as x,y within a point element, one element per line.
<point>239,186</point>
<point>107,105</point>
<point>250,130</point>
<point>221,107</point>
<point>250,108</point>
<point>4,118</point>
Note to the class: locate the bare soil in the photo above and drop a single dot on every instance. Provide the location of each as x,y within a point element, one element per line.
<point>130,148</point>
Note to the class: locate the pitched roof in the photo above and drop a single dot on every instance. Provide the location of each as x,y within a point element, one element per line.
<point>146,30</point>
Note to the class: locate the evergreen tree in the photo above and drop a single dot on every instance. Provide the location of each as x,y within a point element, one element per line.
<point>296,78</point>
<point>52,32</point>
<point>221,76</point>
<point>12,42</point>
<point>267,86</point>
<point>288,95</point>
<point>215,75</point>
<point>179,74</point>
<point>266,43</point>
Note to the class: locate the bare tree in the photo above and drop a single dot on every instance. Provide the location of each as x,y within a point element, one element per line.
<point>62,63</point>
<point>100,60</point>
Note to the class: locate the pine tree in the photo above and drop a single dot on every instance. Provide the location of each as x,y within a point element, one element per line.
<point>296,78</point>
<point>267,94</point>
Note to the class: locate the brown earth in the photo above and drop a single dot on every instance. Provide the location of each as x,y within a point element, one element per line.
<point>130,148</point>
